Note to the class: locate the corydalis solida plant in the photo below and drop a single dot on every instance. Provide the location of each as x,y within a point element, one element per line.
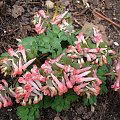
<point>57,76</point>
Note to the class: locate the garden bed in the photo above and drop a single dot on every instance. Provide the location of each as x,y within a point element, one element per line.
<point>19,27</point>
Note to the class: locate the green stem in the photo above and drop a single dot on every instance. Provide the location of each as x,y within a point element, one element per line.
<point>56,10</point>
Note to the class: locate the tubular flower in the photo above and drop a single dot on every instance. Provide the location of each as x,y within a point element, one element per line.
<point>58,18</point>
<point>17,63</point>
<point>80,38</point>
<point>12,52</point>
<point>32,85</point>
<point>42,14</point>
<point>116,85</point>
<point>5,99</point>
<point>97,37</point>
<point>46,67</point>
<point>60,86</point>
<point>39,28</point>
<point>80,88</point>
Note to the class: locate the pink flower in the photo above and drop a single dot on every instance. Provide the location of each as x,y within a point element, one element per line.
<point>42,14</point>
<point>86,50</point>
<point>78,47</point>
<point>68,82</point>
<point>93,56</point>
<point>27,76</point>
<point>35,70</point>
<point>97,37</point>
<point>65,67</point>
<point>104,59</point>
<point>83,74</point>
<point>52,61</point>
<point>96,50</point>
<point>29,89</point>
<point>24,67</point>
<point>5,83</point>
<point>45,90</point>
<point>95,89</point>
<point>46,67</point>
<point>89,59</point>
<point>61,87</point>
<point>58,18</point>
<point>21,80</point>
<point>116,85</point>
<point>64,22</point>
<point>12,53</point>
<point>78,71</point>
<point>99,82</point>
<point>78,89</point>
<point>4,60</point>
<point>71,49</point>
<point>53,91</point>
<point>20,67</point>
<point>39,28</point>
<point>23,103</point>
<point>36,100</point>
<point>111,52</point>
<point>83,79</point>
<point>80,38</point>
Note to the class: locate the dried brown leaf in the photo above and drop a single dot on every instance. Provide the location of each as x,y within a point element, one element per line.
<point>17,11</point>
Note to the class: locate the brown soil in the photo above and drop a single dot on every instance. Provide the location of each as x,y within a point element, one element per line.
<point>108,107</point>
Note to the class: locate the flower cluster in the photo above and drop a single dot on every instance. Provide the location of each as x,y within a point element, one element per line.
<point>5,99</point>
<point>30,88</point>
<point>57,76</point>
<point>40,25</point>
<point>116,85</point>
<point>81,50</point>
<point>17,63</point>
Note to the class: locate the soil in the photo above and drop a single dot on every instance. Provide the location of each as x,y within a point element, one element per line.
<point>18,25</point>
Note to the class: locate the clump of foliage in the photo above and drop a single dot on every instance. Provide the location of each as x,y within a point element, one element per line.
<point>74,67</point>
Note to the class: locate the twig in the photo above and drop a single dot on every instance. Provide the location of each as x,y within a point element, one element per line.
<point>106,18</point>
<point>30,2</point>
<point>76,21</point>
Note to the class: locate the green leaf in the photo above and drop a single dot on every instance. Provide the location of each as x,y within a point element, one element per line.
<point>27,42</point>
<point>22,112</point>
<point>86,64</point>
<point>66,104</point>
<point>62,33</point>
<point>4,55</point>
<point>47,101</point>
<point>75,65</point>
<point>93,100</point>
<point>58,103</point>
<point>31,117</point>
<point>46,39</point>
<point>103,89</point>
<point>37,113</point>
<point>55,29</point>
<point>66,60</point>
<point>85,101</point>
<point>90,44</point>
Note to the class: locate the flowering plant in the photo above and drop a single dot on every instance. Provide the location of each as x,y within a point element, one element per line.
<point>75,65</point>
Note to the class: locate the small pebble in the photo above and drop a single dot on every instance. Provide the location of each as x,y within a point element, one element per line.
<point>116,44</point>
<point>9,110</point>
